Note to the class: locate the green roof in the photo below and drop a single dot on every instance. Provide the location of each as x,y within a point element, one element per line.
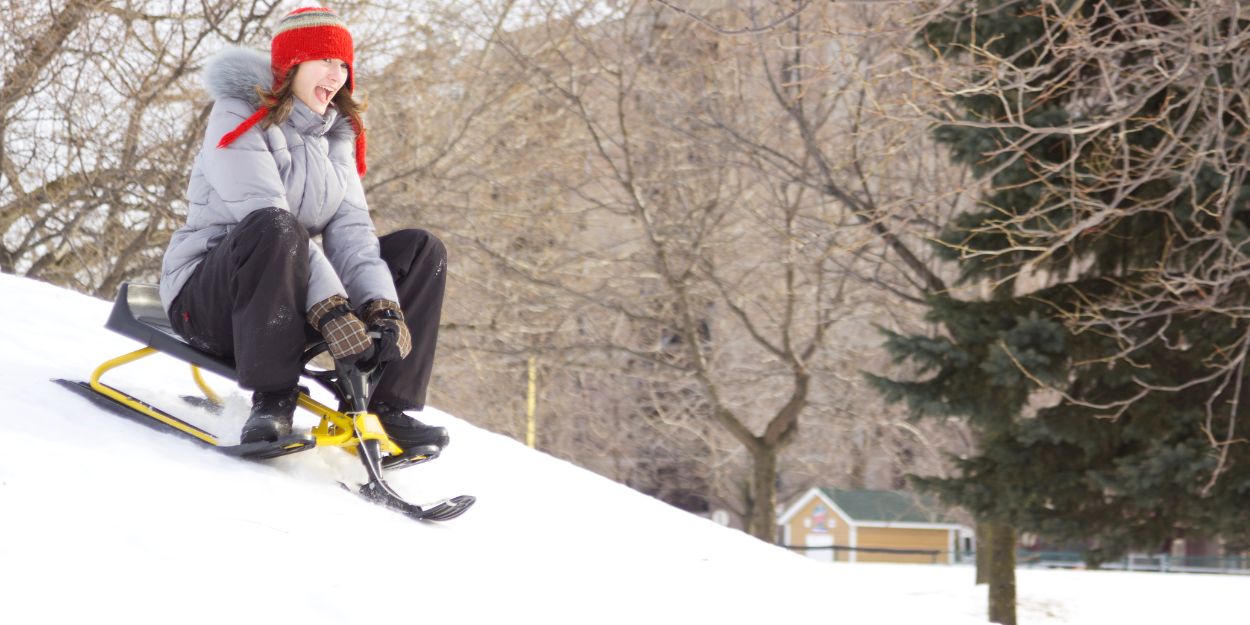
<point>888,506</point>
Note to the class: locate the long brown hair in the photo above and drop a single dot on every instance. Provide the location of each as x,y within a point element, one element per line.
<point>281,100</point>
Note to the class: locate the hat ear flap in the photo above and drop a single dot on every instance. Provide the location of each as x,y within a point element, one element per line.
<point>361,146</point>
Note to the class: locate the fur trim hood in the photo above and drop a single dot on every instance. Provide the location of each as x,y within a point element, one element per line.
<point>235,72</point>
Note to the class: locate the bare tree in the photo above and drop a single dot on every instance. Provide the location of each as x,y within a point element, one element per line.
<point>624,206</point>
<point>99,123</point>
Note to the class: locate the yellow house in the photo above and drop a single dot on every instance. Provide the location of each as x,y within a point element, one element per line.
<point>903,527</point>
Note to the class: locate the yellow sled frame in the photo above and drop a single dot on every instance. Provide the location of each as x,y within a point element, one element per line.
<point>335,430</point>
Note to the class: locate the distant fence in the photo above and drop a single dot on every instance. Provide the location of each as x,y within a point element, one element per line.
<point>1159,563</point>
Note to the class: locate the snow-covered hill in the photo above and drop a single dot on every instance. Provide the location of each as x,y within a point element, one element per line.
<point>103,519</point>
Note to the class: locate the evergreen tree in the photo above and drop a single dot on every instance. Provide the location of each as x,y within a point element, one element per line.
<point>1148,377</point>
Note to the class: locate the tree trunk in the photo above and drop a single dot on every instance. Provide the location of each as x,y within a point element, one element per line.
<point>983,553</point>
<point>763,510</point>
<point>857,478</point>
<point>1002,567</point>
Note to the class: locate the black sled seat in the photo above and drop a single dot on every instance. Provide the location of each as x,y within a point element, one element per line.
<point>139,315</point>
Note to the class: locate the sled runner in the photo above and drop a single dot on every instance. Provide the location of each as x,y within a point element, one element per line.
<point>138,314</point>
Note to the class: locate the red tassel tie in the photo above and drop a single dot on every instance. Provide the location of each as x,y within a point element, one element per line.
<point>244,127</point>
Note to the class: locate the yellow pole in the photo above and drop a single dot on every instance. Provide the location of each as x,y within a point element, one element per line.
<point>208,390</point>
<point>531,402</point>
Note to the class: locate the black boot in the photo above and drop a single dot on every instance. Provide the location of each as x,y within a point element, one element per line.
<point>406,431</point>
<point>271,417</point>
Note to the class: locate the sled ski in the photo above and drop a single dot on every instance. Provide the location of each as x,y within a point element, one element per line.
<point>289,444</point>
<point>138,314</point>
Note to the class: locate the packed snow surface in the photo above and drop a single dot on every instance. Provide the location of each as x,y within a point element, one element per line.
<point>104,519</point>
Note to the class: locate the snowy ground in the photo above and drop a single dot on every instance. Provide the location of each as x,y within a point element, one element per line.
<point>102,518</point>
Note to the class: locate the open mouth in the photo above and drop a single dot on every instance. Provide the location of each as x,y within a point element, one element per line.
<point>324,94</point>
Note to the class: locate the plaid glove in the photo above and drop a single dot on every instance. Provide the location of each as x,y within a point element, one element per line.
<point>387,319</point>
<point>347,337</point>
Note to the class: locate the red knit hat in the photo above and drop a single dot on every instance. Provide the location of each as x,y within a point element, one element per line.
<point>304,35</point>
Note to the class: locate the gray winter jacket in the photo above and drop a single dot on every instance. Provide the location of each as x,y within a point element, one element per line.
<point>306,165</point>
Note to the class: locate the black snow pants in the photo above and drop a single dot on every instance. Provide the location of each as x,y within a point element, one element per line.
<point>246,302</point>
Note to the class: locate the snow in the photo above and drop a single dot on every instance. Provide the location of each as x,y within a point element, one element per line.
<point>104,518</point>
